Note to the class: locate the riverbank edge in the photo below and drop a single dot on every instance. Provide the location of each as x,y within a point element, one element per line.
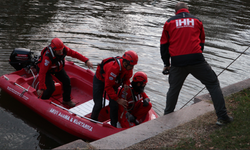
<point>202,104</point>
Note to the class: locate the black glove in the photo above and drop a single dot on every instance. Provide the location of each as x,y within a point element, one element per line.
<point>145,102</point>
<point>132,118</point>
<point>165,72</point>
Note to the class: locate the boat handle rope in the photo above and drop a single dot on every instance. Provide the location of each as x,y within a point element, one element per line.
<point>6,78</point>
<point>125,109</point>
<point>217,75</point>
<point>35,77</point>
<point>32,73</point>
<point>36,85</point>
<point>24,89</point>
<point>34,81</point>
<point>76,114</point>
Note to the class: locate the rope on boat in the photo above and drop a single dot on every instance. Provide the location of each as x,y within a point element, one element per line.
<point>6,78</point>
<point>217,75</point>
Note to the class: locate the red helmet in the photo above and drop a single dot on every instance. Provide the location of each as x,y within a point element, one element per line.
<point>140,77</point>
<point>131,56</point>
<point>57,44</point>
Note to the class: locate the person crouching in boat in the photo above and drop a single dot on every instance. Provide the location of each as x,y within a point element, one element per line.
<point>138,102</point>
<point>52,61</point>
<point>110,74</point>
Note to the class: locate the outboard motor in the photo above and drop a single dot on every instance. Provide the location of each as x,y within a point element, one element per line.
<point>21,58</point>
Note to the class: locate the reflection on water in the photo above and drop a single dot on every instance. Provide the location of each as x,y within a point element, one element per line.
<point>21,128</point>
<point>104,28</point>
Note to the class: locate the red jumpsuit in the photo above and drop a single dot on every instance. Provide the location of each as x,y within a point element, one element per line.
<point>114,76</point>
<point>47,64</point>
<point>135,107</point>
<point>53,64</point>
<point>108,78</point>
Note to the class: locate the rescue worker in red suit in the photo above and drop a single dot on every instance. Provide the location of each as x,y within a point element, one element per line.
<point>110,74</point>
<point>52,62</point>
<point>138,102</point>
<point>183,39</point>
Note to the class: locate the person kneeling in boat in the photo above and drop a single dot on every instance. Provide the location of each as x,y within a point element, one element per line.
<point>52,62</point>
<point>138,102</point>
<point>110,74</point>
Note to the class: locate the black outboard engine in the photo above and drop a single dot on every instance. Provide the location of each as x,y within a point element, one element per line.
<point>21,58</point>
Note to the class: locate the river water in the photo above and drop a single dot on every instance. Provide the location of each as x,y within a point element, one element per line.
<point>104,28</point>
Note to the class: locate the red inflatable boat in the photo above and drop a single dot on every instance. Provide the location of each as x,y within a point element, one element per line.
<point>22,85</point>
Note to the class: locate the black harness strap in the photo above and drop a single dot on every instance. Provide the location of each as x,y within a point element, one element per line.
<point>107,60</point>
<point>54,59</point>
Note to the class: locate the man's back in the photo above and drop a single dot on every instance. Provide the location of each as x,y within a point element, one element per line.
<point>185,37</point>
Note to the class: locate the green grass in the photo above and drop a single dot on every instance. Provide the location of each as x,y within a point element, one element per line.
<point>235,135</point>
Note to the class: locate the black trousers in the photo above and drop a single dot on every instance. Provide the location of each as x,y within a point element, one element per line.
<point>98,90</point>
<point>62,77</point>
<point>206,75</point>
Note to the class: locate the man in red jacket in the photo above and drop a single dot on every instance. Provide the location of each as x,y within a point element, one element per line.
<point>138,102</point>
<point>183,40</point>
<point>110,74</point>
<point>52,62</point>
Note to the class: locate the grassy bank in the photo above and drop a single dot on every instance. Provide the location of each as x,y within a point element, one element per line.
<point>235,135</point>
<point>202,133</point>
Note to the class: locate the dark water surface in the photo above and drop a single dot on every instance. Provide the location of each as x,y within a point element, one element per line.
<point>104,28</point>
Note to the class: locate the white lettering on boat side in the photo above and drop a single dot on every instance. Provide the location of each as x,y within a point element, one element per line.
<point>71,119</point>
<point>53,111</point>
<point>17,93</point>
<point>82,124</point>
<point>66,117</point>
